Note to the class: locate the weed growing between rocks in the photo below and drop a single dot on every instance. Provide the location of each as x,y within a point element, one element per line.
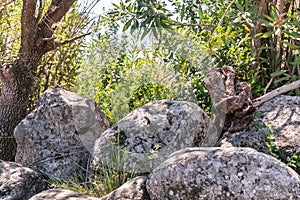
<point>102,183</point>
<point>102,180</point>
<point>293,161</point>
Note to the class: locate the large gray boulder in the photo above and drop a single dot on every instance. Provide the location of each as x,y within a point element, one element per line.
<point>135,189</point>
<point>222,173</point>
<point>57,137</point>
<point>61,194</point>
<point>18,182</point>
<point>149,134</point>
<point>277,124</point>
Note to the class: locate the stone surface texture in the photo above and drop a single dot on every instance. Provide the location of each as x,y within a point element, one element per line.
<point>57,137</point>
<point>280,117</point>
<point>134,189</point>
<point>222,173</point>
<point>18,182</point>
<point>61,194</point>
<point>149,134</point>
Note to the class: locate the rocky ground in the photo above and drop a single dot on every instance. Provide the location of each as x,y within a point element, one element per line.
<point>66,132</point>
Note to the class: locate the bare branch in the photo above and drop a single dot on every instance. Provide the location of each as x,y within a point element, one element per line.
<point>54,45</point>
<point>58,44</point>
<point>281,90</point>
<point>268,85</point>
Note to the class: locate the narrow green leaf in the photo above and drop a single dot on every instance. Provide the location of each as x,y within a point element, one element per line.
<point>265,23</point>
<point>157,22</point>
<point>122,6</point>
<point>269,18</point>
<point>292,46</point>
<point>126,26</point>
<point>146,31</point>
<point>134,26</point>
<point>183,9</point>
<point>146,21</point>
<point>275,74</point>
<point>281,79</point>
<point>239,7</point>
<point>200,12</point>
<point>116,6</point>
<point>267,34</point>
<point>296,61</point>
<point>294,35</point>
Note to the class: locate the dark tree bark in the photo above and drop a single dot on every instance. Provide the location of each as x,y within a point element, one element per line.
<point>18,77</point>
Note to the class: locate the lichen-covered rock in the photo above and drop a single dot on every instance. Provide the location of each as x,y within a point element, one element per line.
<point>149,134</point>
<point>222,173</point>
<point>134,189</point>
<point>61,194</point>
<point>254,136</point>
<point>279,117</point>
<point>18,182</point>
<point>57,136</point>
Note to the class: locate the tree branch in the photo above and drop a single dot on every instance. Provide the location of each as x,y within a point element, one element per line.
<point>223,16</point>
<point>56,11</point>
<point>28,25</point>
<point>58,44</point>
<point>281,90</point>
<point>190,25</point>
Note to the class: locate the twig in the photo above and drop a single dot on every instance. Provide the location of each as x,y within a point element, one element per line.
<point>267,87</point>
<point>57,44</point>
<point>281,90</point>
<point>190,25</point>
<point>222,18</point>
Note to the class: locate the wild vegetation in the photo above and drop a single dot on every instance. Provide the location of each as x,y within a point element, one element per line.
<point>141,50</point>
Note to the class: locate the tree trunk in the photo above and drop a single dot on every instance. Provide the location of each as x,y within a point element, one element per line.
<point>16,87</point>
<point>18,78</point>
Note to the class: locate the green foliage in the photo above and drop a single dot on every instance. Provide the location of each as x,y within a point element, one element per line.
<point>273,149</point>
<point>147,16</point>
<point>257,39</point>
<point>293,161</point>
<point>121,74</point>
<point>147,92</point>
<point>10,16</point>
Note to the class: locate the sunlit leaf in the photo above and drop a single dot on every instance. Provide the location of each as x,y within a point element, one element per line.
<point>267,34</point>
<point>126,26</point>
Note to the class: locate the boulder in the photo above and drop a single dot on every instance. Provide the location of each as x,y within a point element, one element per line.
<point>254,136</point>
<point>149,134</point>
<point>222,173</point>
<point>57,137</point>
<point>277,123</point>
<point>18,182</point>
<point>134,189</point>
<point>61,194</point>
